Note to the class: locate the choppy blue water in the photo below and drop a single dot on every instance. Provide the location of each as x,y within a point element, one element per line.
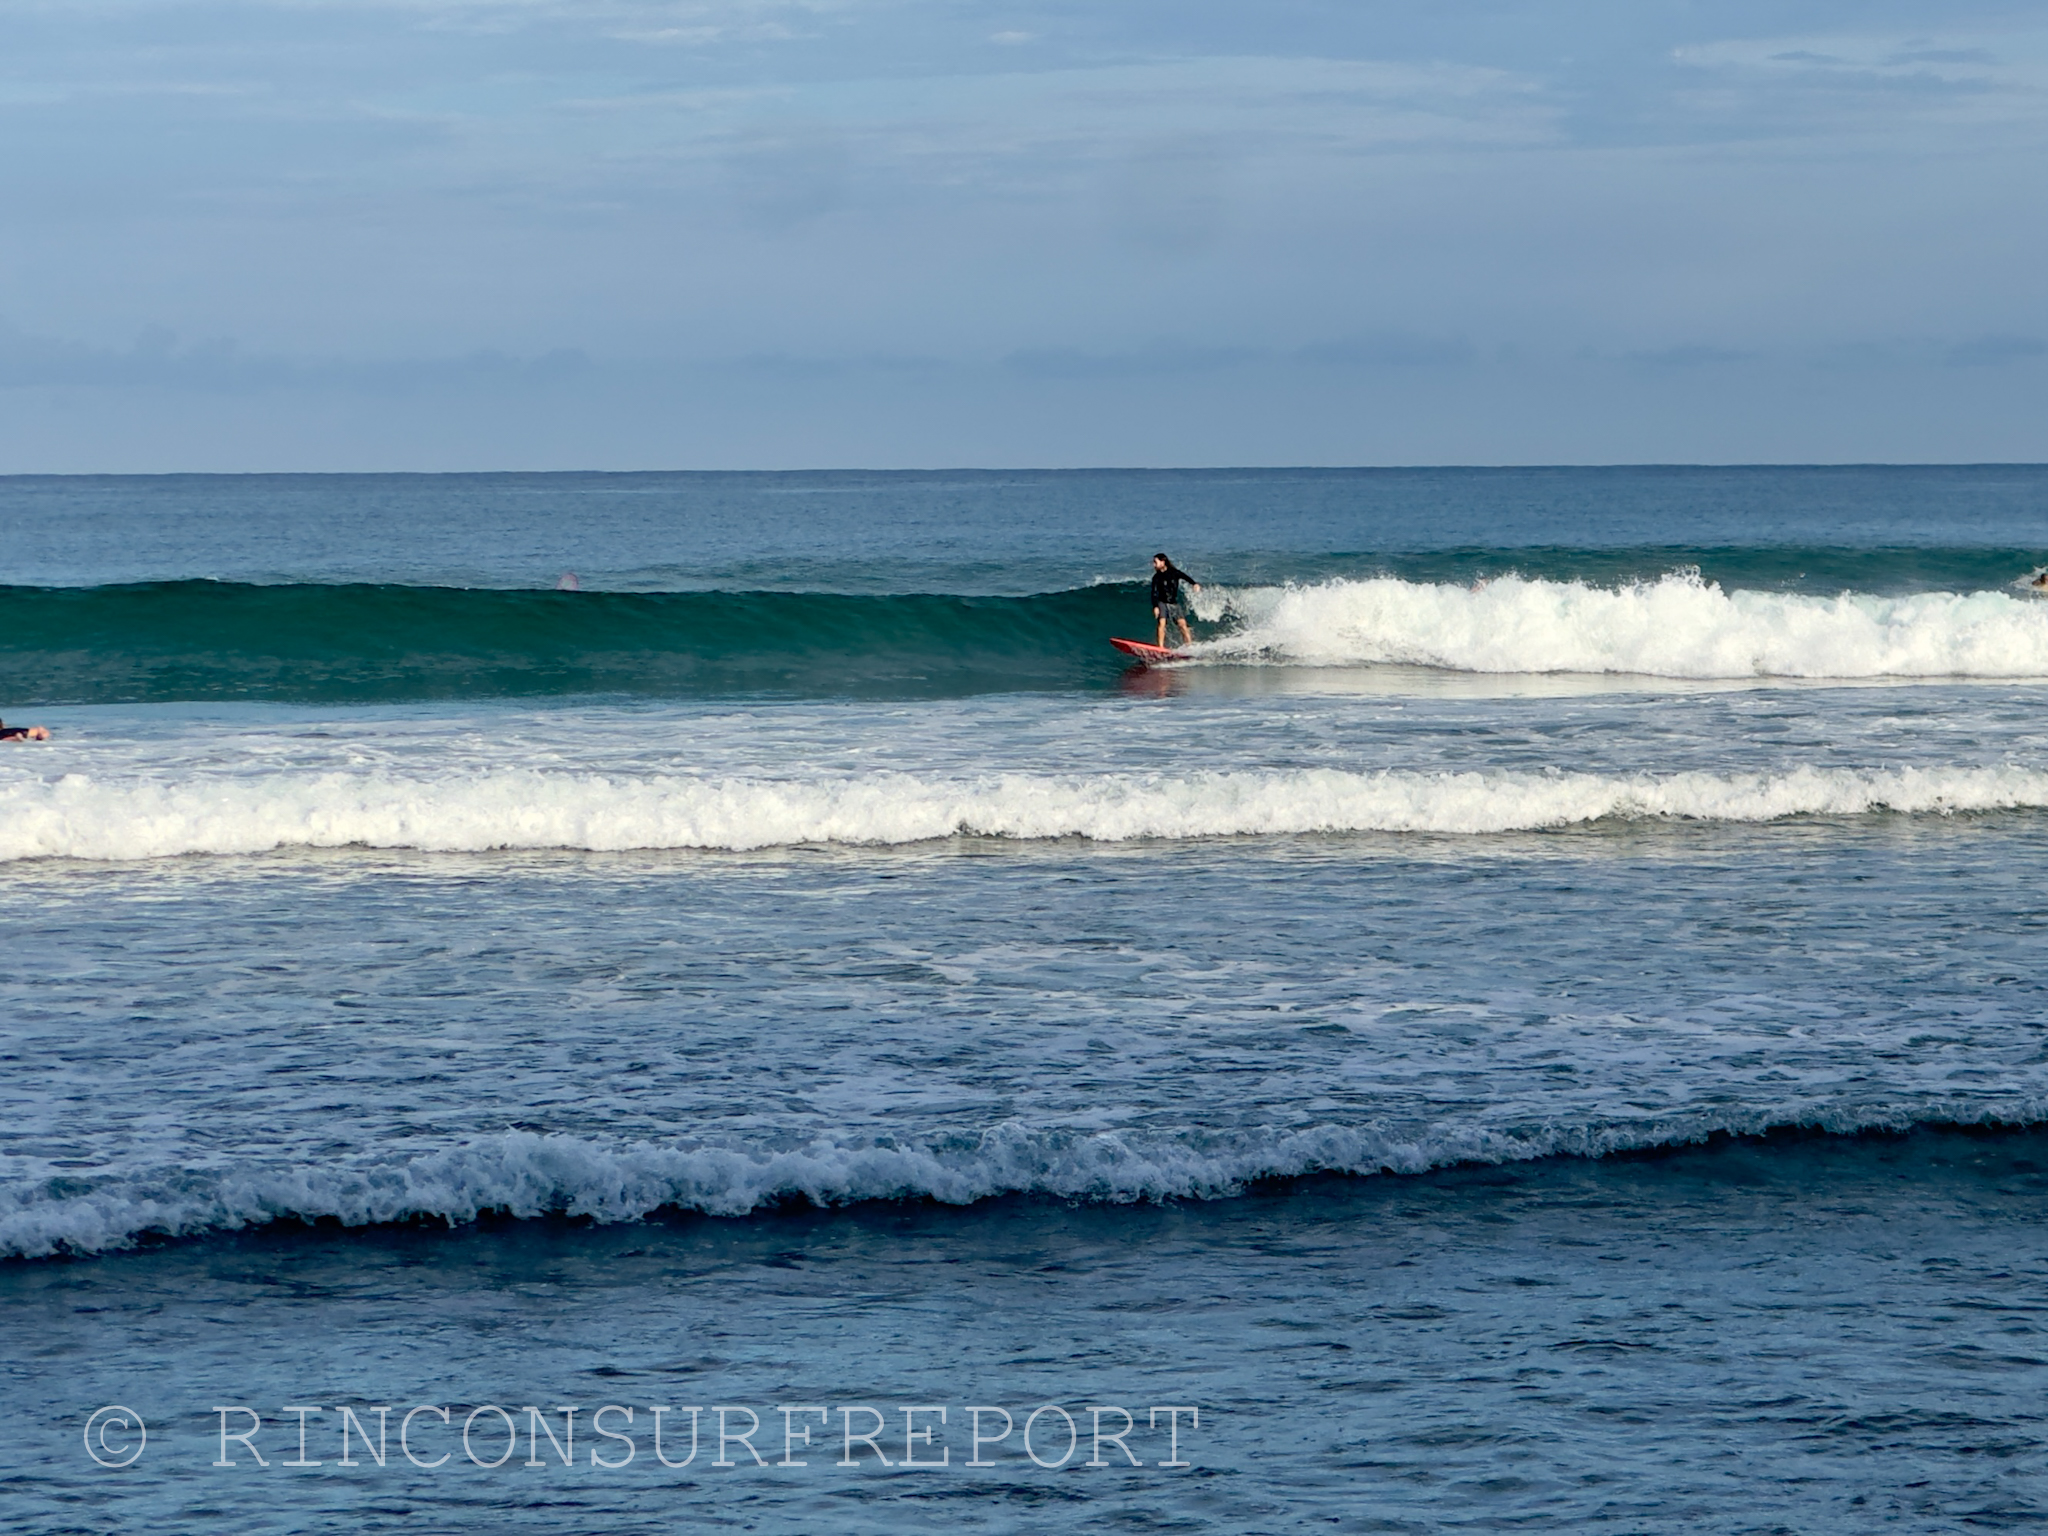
<point>1539,1023</point>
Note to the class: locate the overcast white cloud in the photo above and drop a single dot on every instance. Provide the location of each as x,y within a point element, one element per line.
<point>455,233</point>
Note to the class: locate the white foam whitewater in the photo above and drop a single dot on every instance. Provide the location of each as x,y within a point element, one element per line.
<point>1679,626</point>
<point>471,810</point>
<point>528,1174</point>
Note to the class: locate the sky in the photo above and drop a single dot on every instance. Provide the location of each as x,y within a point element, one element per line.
<point>645,234</point>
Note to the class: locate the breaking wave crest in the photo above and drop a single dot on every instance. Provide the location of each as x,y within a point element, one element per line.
<point>529,1175</point>
<point>1678,626</point>
<point>78,817</point>
<point>200,640</point>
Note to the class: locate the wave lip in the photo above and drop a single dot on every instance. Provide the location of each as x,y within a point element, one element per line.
<point>1678,626</point>
<point>77,817</point>
<point>529,1174</point>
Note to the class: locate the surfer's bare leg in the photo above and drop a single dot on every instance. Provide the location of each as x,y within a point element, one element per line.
<point>1187,636</point>
<point>1160,615</point>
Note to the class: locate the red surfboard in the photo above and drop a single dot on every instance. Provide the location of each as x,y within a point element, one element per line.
<point>1148,653</point>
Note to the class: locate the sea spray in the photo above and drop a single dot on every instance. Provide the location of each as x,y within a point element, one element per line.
<point>1678,626</point>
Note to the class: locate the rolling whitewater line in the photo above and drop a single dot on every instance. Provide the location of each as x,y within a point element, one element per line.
<point>76,817</point>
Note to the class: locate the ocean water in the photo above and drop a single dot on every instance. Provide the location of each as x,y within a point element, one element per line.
<point>1539,1022</point>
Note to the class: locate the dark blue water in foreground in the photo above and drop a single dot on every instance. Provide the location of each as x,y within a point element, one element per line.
<point>1537,1024</point>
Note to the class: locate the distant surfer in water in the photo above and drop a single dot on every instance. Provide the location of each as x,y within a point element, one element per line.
<point>23,733</point>
<point>1166,600</point>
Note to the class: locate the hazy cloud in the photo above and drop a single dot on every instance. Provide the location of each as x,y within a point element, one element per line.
<point>1477,215</point>
<point>1166,358</point>
<point>1391,349</point>
<point>1687,355</point>
<point>157,359</point>
<point>784,179</point>
<point>1171,196</point>
<point>1982,351</point>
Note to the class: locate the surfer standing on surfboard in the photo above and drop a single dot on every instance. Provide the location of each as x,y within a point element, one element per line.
<point>1166,602</point>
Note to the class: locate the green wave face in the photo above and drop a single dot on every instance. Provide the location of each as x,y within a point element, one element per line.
<point>199,640</point>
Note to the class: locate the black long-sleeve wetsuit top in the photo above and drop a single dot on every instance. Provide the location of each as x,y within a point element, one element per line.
<point>1166,584</point>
